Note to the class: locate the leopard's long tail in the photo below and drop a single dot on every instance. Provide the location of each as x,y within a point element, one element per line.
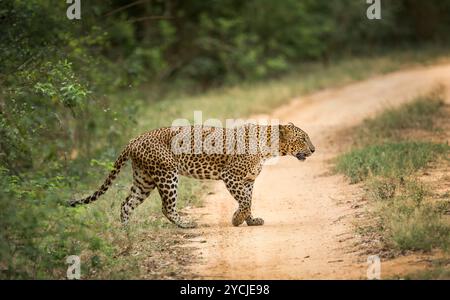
<point>118,164</point>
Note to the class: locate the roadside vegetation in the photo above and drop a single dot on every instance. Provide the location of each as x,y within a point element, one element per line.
<point>73,92</point>
<point>439,271</point>
<point>390,155</point>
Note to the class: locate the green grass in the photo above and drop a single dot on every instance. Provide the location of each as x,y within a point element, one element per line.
<point>407,219</point>
<point>386,159</point>
<point>148,232</point>
<point>389,159</point>
<point>381,148</point>
<point>391,123</point>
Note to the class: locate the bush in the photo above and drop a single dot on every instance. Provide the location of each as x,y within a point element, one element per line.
<point>39,231</point>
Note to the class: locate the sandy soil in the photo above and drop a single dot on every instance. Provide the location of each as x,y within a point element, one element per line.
<point>308,212</point>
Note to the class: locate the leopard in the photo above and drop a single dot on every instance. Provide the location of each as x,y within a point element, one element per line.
<point>233,155</point>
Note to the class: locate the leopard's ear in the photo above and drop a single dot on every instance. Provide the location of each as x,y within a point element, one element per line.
<point>285,132</point>
<point>291,124</point>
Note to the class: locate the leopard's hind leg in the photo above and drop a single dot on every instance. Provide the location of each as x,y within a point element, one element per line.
<point>140,190</point>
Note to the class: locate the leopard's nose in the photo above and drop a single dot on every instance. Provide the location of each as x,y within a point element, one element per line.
<point>313,150</point>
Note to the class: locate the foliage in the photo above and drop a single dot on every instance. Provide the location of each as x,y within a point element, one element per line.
<point>38,232</point>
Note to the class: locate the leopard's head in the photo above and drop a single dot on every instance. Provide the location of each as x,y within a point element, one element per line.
<point>295,142</point>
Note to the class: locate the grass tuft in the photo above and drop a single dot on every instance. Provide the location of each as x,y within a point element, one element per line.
<point>392,123</point>
<point>389,159</point>
<point>408,221</point>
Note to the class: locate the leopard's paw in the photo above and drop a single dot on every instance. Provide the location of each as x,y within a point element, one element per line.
<point>255,222</point>
<point>186,224</point>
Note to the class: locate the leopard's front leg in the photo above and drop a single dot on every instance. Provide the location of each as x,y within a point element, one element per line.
<point>242,193</point>
<point>167,184</point>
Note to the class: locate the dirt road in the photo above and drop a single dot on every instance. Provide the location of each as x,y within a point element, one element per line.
<point>308,212</point>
